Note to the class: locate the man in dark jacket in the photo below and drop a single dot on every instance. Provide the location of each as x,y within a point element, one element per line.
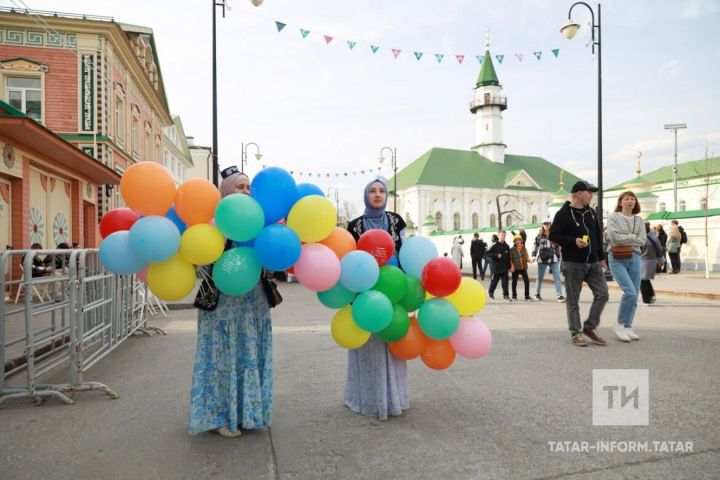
<point>577,230</point>
<point>477,254</point>
<point>500,255</point>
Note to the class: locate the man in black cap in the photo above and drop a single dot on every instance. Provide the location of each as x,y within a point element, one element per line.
<point>577,230</point>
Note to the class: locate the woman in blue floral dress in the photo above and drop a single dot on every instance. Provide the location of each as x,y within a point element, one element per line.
<point>232,377</point>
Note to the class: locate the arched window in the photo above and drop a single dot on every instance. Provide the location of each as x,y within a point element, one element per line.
<point>703,203</point>
<point>438,220</point>
<point>662,207</point>
<point>475,223</point>
<point>456,221</point>
<point>493,220</point>
<point>681,206</point>
<point>534,219</point>
<point>508,220</point>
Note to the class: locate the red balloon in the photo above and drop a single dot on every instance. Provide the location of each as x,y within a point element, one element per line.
<point>441,277</point>
<point>377,243</point>
<point>116,220</point>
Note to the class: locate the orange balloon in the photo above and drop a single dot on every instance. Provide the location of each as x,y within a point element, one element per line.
<point>340,241</point>
<point>438,354</point>
<point>195,201</point>
<point>148,188</point>
<point>412,344</point>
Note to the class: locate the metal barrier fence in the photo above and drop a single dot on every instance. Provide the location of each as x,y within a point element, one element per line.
<point>81,314</point>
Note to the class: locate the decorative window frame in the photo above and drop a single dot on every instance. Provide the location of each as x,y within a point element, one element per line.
<point>120,127</point>
<point>135,131</point>
<point>24,67</point>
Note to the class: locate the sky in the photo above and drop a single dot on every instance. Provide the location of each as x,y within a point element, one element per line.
<point>324,108</point>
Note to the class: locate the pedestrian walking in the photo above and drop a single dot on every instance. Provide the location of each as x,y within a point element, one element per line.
<point>663,238</point>
<point>547,256</point>
<point>673,247</point>
<point>626,236</point>
<point>376,383</point>
<point>456,252</point>
<point>232,377</point>
<point>519,260</point>
<point>500,254</point>
<point>576,228</point>
<point>651,257</point>
<point>478,248</point>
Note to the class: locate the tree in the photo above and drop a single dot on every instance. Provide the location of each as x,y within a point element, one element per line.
<point>706,188</point>
<point>347,212</point>
<point>505,205</point>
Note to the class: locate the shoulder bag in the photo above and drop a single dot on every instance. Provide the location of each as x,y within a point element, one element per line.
<point>271,290</point>
<point>624,251</point>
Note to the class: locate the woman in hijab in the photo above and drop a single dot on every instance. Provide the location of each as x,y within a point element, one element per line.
<point>376,380</point>
<point>232,377</point>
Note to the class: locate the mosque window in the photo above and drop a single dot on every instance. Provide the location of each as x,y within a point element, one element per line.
<point>475,222</point>
<point>493,220</point>
<point>682,206</point>
<point>438,220</point>
<point>456,221</point>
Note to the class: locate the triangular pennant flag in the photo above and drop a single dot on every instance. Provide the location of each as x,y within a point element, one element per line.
<point>418,55</point>
<point>537,55</point>
<point>351,44</point>
<point>328,175</point>
<point>519,56</point>
<point>556,52</point>
<point>291,172</point>
<point>374,48</point>
<point>345,174</point>
<point>479,58</point>
<point>337,174</point>
<point>396,52</point>
<point>328,39</point>
<point>304,33</point>
<point>264,166</point>
<point>280,26</point>
<point>460,58</point>
<point>362,171</point>
<point>439,57</point>
<point>499,58</point>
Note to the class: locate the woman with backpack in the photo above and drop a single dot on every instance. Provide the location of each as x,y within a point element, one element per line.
<point>547,255</point>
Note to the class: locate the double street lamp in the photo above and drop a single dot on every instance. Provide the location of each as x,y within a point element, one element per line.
<point>393,165</point>
<point>675,127</point>
<point>569,31</point>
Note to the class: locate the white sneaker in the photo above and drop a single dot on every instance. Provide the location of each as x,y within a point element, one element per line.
<point>225,432</point>
<point>619,331</point>
<point>631,335</point>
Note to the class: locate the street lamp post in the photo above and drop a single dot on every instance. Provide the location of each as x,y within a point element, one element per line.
<point>675,127</point>
<point>217,3</point>
<point>243,156</point>
<point>569,31</point>
<point>393,165</point>
<point>330,192</point>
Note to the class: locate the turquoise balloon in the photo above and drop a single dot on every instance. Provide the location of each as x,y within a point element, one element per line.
<point>239,217</point>
<point>392,283</point>
<point>415,253</point>
<point>337,297</point>
<point>415,295</point>
<point>438,318</point>
<point>372,311</point>
<point>398,327</point>
<point>360,271</point>
<point>237,271</point>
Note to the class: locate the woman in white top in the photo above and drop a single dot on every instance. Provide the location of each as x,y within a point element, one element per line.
<point>626,229</point>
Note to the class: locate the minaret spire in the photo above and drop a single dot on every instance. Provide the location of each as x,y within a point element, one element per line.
<point>638,170</point>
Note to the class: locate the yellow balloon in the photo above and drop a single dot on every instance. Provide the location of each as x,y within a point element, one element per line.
<point>469,298</point>
<point>202,244</point>
<point>345,332</point>
<point>312,218</point>
<point>172,279</point>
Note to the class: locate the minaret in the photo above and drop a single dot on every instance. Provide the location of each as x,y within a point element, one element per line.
<point>487,106</point>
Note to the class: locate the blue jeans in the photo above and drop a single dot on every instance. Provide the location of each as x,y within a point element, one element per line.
<point>626,273</point>
<point>555,269</point>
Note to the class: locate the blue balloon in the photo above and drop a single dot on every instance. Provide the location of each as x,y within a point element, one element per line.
<point>172,215</point>
<point>305,189</point>
<point>275,191</point>
<point>393,261</point>
<point>415,253</point>
<point>246,243</point>
<point>154,238</point>
<point>277,247</point>
<point>117,255</point>
<point>360,271</point>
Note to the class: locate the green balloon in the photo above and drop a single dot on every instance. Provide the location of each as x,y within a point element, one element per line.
<point>415,295</point>
<point>337,297</point>
<point>392,283</point>
<point>372,311</point>
<point>438,318</point>
<point>237,271</point>
<point>398,327</point>
<point>239,217</point>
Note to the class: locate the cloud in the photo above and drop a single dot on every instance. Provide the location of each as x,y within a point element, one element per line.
<point>694,9</point>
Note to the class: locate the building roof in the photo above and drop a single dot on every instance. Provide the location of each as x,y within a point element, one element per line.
<point>467,168</point>
<point>712,212</point>
<point>686,171</point>
<point>487,72</point>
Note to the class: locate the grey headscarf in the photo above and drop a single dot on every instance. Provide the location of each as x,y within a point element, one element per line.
<point>227,186</point>
<point>370,211</point>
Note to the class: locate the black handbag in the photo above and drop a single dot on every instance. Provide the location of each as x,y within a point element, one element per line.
<point>271,290</point>
<point>208,294</point>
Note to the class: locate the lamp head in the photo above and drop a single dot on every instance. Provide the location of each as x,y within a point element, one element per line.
<point>570,29</point>
<point>258,156</point>
<point>257,3</point>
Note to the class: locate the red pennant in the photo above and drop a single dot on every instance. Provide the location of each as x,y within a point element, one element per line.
<point>396,52</point>
<point>328,39</point>
<point>460,58</point>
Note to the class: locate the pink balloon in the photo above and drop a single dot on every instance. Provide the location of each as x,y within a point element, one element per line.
<point>472,339</point>
<point>142,274</point>
<point>318,268</point>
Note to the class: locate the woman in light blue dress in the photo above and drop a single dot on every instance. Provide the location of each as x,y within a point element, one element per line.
<point>376,380</point>
<point>232,377</point>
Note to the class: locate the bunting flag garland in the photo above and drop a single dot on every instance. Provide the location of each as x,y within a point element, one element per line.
<point>439,57</point>
<point>332,174</point>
